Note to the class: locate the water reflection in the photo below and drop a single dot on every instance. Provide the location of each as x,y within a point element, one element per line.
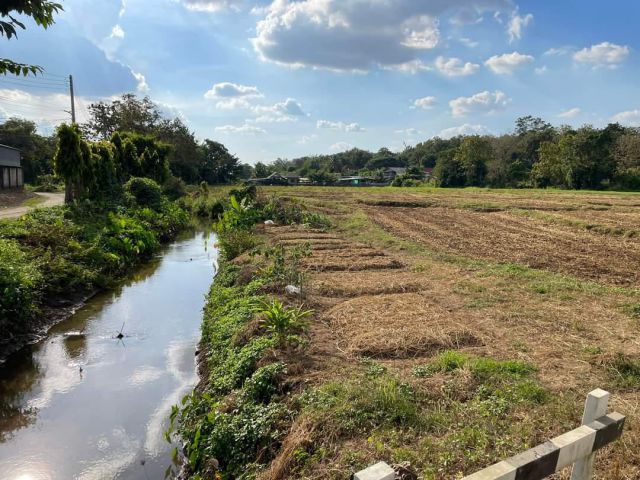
<point>90,406</point>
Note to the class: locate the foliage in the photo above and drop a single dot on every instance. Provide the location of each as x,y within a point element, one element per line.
<point>143,192</point>
<point>41,11</point>
<point>174,188</point>
<point>36,150</point>
<point>284,322</point>
<point>218,165</point>
<point>144,122</point>
<point>80,247</point>
<point>19,282</point>
<point>69,160</point>
<point>283,264</point>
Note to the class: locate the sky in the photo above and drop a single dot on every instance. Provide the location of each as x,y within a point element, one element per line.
<point>289,78</point>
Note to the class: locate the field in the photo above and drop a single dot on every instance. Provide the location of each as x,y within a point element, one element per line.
<point>492,312</point>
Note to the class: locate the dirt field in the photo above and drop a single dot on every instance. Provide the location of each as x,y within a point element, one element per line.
<point>546,278</point>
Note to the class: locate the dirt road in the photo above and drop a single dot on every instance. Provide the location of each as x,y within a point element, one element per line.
<point>50,200</point>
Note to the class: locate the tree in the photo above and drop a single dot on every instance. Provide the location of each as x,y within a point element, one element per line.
<point>41,11</point>
<point>37,151</point>
<point>218,165</point>
<point>385,158</point>
<point>69,161</point>
<point>260,170</point>
<point>473,154</point>
<point>448,171</point>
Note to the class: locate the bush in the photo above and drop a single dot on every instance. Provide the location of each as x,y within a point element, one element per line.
<point>174,188</point>
<point>143,192</point>
<point>19,282</point>
<point>233,243</point>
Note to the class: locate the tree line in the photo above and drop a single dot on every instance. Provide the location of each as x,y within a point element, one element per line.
<point>188,159</point>
<point>535,154</point>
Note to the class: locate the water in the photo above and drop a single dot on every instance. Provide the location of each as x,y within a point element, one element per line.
<point>107,420</point>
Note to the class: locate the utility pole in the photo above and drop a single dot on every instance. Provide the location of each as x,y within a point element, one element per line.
<point>73,103</point>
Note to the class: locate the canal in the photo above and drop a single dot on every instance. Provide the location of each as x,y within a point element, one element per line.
<point>94,406</point>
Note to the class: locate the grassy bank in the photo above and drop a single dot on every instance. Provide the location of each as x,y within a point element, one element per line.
<point>53,256</point>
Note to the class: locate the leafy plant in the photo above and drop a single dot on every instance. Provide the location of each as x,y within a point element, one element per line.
<point>284,321</point>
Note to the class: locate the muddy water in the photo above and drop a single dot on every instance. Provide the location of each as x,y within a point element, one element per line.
<point>96,407</point>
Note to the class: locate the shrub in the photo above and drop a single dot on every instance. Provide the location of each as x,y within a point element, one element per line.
<point>284,322</point>
<point>233,243</point>
<point>19,282</point>
<point>143,192</point>
<point>128,238</point>
<point>174,188</point>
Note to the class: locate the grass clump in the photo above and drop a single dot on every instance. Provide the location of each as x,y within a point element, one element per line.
<point>625,370</point>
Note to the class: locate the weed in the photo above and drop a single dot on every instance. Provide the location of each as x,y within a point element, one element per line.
<point>284,322</point>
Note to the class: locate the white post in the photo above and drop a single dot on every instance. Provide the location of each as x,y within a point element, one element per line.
<point>594,408</point>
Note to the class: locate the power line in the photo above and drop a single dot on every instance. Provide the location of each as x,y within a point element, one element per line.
<point>36,81</point>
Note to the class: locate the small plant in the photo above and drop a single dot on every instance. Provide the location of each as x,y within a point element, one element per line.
<point>284,268</point>
<point>284,322</point>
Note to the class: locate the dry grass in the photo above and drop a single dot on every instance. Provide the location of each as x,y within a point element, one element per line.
<point>425,276</point>
<point>396,326</point>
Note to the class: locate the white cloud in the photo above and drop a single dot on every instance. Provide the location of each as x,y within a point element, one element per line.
<point>231,90</point>
<point>211,5</point>
<point>307,139</point>
<point>358,35</point>
<point>409,132</point>
<point>245,129</point>
<point>482,102</point>
<point>143,86</point>
<point>571,113</point>
<point>467,42</point>
<point>46,110</point>
<point>558,51</point>
<point>541,70</point>
<point>287,111</point>
<point>630,118</point>
<point>412,67</point>
<point>117,32</point>
<point>425,103</point>
<point>506,64</point>
<point>340,147</point>
<point>453,67</point>
<point>345,127</point>
<point>517,24</point>
<point>465,129</point>
<point>605,54</point>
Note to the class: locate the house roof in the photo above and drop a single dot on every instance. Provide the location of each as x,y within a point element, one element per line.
<point>8,147</point>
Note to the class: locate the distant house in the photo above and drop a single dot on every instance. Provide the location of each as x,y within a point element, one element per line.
<point>354,181</point>
<point>392,172</point>
<point>428,173</point>
<point>10,168</point>
<point>276,179</point>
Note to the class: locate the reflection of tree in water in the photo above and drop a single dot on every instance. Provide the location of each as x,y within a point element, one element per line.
<point>17,376</point>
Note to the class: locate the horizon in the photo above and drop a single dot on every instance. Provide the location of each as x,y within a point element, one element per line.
<point>289,79</point>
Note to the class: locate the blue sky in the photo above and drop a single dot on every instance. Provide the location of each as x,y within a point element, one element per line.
<point>289,78</point>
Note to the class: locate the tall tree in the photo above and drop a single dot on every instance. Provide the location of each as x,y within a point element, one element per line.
<point>473,154</point>
<point>41,11</point>
<point>69,160</point>
<point>218,165</point>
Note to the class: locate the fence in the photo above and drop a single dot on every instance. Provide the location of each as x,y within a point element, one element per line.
<point>576,447</point>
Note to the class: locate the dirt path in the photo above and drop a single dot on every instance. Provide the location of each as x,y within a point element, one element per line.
<point>49,200</point>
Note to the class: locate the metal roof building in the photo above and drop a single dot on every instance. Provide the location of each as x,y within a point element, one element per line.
<point>10,168</point>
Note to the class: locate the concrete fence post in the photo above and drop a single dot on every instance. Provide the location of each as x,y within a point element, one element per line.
<point>595,407</point>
